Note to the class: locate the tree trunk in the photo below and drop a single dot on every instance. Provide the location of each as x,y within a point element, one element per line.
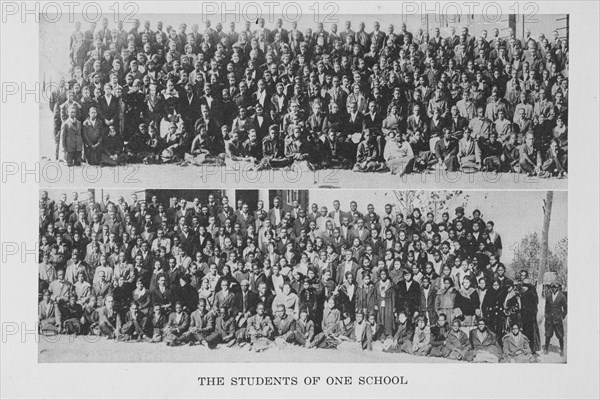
<point>544,251</point>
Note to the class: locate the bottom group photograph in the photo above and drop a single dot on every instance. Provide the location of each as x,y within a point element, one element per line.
<point>344,276</point>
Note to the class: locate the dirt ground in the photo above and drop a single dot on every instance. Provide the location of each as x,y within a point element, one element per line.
<point>64,348</point>
<point>240,176</point>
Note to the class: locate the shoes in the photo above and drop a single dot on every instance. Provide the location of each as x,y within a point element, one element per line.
<point>562,353</point>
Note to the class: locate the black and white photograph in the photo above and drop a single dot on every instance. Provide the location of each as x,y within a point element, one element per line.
<point>389,98</point>
<point>272,275</point>
<point>299,199</point>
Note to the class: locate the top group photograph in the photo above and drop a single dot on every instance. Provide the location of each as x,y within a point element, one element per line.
<point>341,101</point>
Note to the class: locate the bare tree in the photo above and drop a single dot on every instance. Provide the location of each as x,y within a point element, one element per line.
<point>435,201</point>
<point>544,250</point>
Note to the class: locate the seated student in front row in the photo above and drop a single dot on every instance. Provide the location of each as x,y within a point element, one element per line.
<point>284,325</point>
<point>156,324</point>
<point>374,333</point>
<point>49,320</point>
<point>177,324</point>
<point>422,338</point>
<point>402,340</point>
<point>108,319</point>
<point>515,346</point>
<point>134,324</point>
<point>201,325</point>
<point>483,344</point>
<point>259,329</point>
<point>274,155</point>
<point>456,344</point>
<point>368,155</point>
<point>439,332</point>
<point>304,332</point>
<point>225,329</point>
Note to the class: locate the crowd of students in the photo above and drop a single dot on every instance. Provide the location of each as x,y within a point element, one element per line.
<point>214,275</point>
<point>394,101</point>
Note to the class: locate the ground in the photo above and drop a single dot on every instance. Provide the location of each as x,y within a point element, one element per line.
<point>240,176</point>
<point>65,348</point>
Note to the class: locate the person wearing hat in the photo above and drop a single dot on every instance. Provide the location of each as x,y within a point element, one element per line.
<point>459,213</point>
<point>555,312</point>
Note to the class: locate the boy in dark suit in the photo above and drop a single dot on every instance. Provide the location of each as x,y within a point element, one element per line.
<point>555,312</point>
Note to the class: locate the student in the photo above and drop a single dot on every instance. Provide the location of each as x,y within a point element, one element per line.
<point>260,329</point>
<point>398,155</point>
<point>385,303</point>
<point>427,300</point>
<point>439,333</point>
<point>308,296</point>
<point>368,155</point>
<point>90,317</point>
<point>177,324</point>
<point>134,324</point>
<point>446,298</point>
<point>421,343</point>
<point>108,321</point>
<point>402,340</point>
<point>366,296</point>
<point>156,323</point>
<point>288,299</point>
<point>225,329</point>
<point>304,332</point>
<point>467,301</point>
<point>201,325</point>
<point>457,342</point>
<point>71,137</point>
<point>331,316</point>
<point>71,316</point>
<point>47,315</point>
<point>92,137</point>
<point>554,313</point>
<point>483,344</point>
<point>284,325</point>
<point>409,293</point>
<point>515,347</point>
<point>373,333</point>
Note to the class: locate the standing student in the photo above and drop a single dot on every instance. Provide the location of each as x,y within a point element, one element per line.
<point>71,138</point>
<point>386,302</point>
<point>554,313</point>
